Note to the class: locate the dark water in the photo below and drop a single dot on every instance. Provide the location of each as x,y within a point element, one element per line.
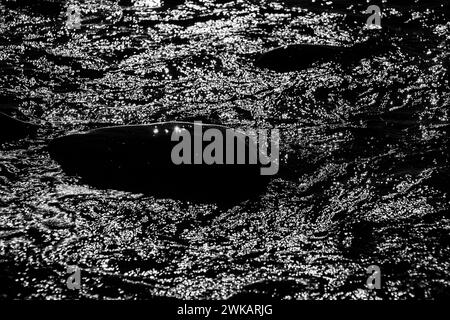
<point>364,146</point>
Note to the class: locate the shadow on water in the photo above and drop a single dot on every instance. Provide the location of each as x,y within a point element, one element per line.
<point>139,159</point>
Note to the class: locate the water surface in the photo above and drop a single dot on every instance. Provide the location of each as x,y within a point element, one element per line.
<point>364,150</point>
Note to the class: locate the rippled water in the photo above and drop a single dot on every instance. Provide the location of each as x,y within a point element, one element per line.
<point>364,144</point>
